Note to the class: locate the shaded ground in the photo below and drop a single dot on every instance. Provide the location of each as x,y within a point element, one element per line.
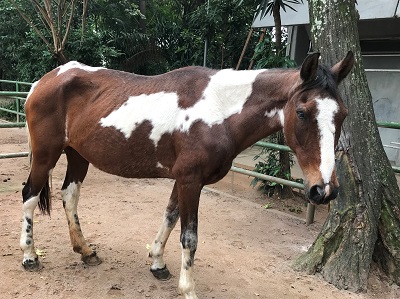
<point>244,250</point>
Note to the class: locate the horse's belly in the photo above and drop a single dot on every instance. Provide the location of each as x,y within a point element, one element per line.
<point>133,169</point>
<point>136,157</point>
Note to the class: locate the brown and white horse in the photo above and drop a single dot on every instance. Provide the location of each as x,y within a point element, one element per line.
<point>188,124</point>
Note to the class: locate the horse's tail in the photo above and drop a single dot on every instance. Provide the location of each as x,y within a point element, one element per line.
<point>45,199</point>
<point>29,146</point>
<point>45,194</point>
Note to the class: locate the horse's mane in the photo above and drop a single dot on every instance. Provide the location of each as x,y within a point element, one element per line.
<point>324,80</point>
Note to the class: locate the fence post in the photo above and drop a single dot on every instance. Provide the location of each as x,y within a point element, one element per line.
<point>310,213</point>
<point>17,102</point>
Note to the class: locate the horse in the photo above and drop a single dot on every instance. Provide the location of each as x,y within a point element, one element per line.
<point>188,124</point>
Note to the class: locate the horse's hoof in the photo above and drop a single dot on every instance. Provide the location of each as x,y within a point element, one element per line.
<point>161,274</point>
<point>92,260</point>
<point>32,265</point>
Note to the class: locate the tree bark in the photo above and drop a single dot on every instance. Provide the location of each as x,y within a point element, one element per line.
<point>142,22</point>
<point>363,224</point>
<point>284,191</point>
<point>276,13</point>
<point>284,159</point>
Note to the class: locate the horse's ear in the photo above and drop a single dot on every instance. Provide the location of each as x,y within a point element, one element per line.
<point>309,67</point>
<point>341,69</point>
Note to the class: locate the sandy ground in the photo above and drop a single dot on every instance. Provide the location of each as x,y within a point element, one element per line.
<point>244,251</point>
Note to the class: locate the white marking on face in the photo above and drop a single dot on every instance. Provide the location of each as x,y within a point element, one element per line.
<point>223,97</point>
<point>327,109</point>
<point>77,65</point>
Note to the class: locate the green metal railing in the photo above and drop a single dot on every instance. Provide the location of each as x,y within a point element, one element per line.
<point>388,124</point>
<point>17,95</point>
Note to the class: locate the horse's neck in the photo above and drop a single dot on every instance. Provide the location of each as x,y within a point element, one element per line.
<point>263,112</point>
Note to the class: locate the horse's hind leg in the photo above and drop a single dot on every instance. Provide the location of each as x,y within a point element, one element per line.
<point>171,216</point>
<point>76,171</point>
<point>36,191</point>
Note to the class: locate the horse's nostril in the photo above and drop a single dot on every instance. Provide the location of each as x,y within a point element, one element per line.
<point>317,193</point>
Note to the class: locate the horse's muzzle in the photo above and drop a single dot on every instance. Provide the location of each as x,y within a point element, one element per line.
<point>322,194</point>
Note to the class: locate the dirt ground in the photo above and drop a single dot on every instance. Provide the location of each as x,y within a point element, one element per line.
<point>244,251</point>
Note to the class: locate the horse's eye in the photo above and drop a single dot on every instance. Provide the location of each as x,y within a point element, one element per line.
<point>300,114</point>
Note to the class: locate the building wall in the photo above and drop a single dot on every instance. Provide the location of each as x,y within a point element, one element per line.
<point>385,91</point>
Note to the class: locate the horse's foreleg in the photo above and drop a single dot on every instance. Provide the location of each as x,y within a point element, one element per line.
<point>76,172</point>
<point>171,215</point>
<point>189,195</point>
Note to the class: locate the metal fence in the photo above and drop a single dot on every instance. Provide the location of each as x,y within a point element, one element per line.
<point>17,95</point>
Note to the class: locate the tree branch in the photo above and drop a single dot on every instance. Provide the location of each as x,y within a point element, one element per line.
<point>84,14</point>
<point>68,27</point>
<point>32,25</point>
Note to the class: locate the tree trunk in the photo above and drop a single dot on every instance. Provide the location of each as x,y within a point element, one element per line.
<point>284,191</point>
<point>276,13</point>
<point>142,22</point>
<point>363,224</point>
<point>284,159</point>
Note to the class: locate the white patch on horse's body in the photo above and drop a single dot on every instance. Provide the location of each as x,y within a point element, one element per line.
<point>327,109</point>
<point>51,178</point>
<point>160,108</point>
<point>225,95</point>
<point>272,113</point>
<point>31,90</point>
<point>77,65</point>
<point>26,240</point>
<point>66,139</point>
<point>281,117</point>
<point>159,165</point>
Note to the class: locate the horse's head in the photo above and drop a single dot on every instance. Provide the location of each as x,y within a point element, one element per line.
<point>312,123</point>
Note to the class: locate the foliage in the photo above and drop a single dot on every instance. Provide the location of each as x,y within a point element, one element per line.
<point>52,22</point>
<point>16,46</point>
<point>266,56</point>
<point>270,165</point>
<point>111,33</point>
<point>224,24</point>
<point>124,45</point>
<point>11,105</point>
<point>269,53</point>
<point>266,6</point>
